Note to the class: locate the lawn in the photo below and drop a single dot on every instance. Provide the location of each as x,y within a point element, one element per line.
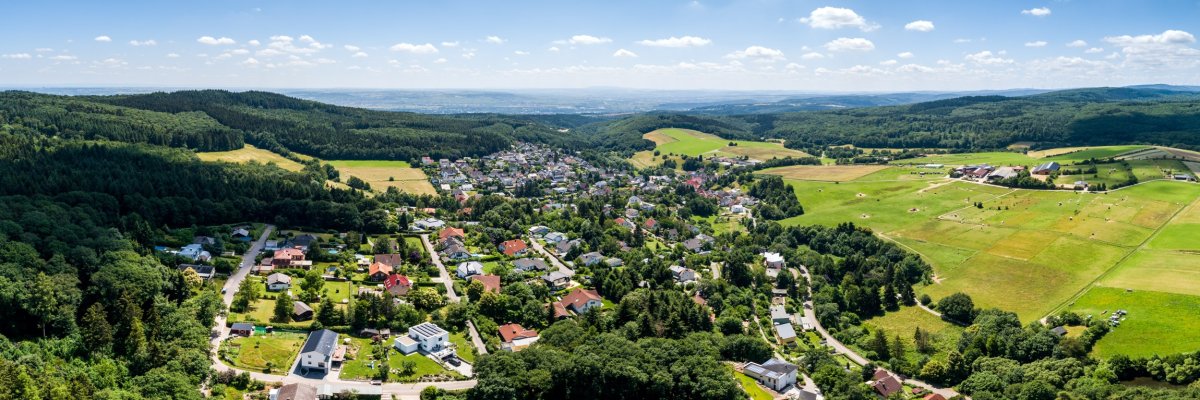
<point>1156,323</point>
<point>359,368</point>
<point>382,174</point>
<point>255,352</point>
<point>249,153</point>
<point>752,388</point>
<point>694,143</point>
<point>463,346</point>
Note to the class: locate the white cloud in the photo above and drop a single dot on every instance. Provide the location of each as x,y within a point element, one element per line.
<point>17,56</point>
<point>1037,12</point>
<point>1039,43</point>
<point>1077,43</point>
<point>240,52</point>
<point>986,57</point>
<point>359,54</point>
<point>622,53</point>
<point>468,55</point>
<point>426,48</point>
<point>812,55</point>
<point>110,62</point>
<point>494,40</point>
<point>962,40</point>
<point>43,49</point>
<point>793,67</point>
<point>103,38</point>
<point>351,47</point>
<point>553,49</point>
<point>64,58</point>
<point>850,44</point>
<point>137,43</point>
<point>889,62</point>
<point>211,41</point>
<point>254,42</point>
<point>910,68</point>
<point>683,41</point>
<point>439,61</point>
<point>919,26</point>
<point>172,55</point>
<point>521,53</point>
<point>250,61</point>
<point>1167,37</point>
<point>1170,49</point>
<point>450,44</point>
<point>907,54</point>
<point>1094,50</point>
<point>757,53</point>
<point>837,18</point>
<point>588,39</point>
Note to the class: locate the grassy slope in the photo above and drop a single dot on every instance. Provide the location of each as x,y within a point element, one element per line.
<point>250,153</point>
<point>382,174</point>
<point>694,143</point>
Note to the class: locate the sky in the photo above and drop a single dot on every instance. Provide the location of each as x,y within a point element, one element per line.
<point>800,45</point>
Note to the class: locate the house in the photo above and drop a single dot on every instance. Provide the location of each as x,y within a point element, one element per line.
<point>278,282</point>
<point>530,264</point>
<point>556,237</point>
<point>682,274</point>
<point>1059,330</point>
<point>786,334</point>
<point>560,312</point>
<point>774,373</point>
<point>773,260</point>
<point>624,223</point>
<point>294,391</point>
<point>242,329</point>
<point>614,262</point>
<point>290,257</point>
<point>556,280</point>
<point>456,251</point>
<point>397,285</point>
<point>564,247</point>
<point>317,353</point>
<point>885,383</point>
<point>378,271</point>
<point>581,300</point>
<point>933,396</point>
<point>429,224</point>
<point>240,234</point>
<point>195,252</point>
<point>391,260</point>
<point>425,337</point>
<point>737,209</point>
<point>590,259</point>
<point>1003,173</point>
<point>779,315</point>
<point>205,272</point>
<point>1046,169</point>
<point>538,230</point>
<point>491,283</point>
<point>301,311</point>
<point>204,240</point>
<point>650,224</point>
<point>372,332</point>
<point>450,232</point>
<point>468,268</point>
<point>515,247</point>
<point>694,244</point>
<point>514,337</point>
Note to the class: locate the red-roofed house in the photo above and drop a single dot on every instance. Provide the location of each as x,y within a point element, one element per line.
<point>650,224</point>
<point>379,271</point>
<point>290,258</point>
<point>934,396</point>
<point>449,233</point>
<point>624,223</point>
<point>515,337</point>
<point>391,260</point>
<point>560,312</point>
<point>581,300</point>
<point>513,247</point>
<point>885,383</point>
<point>491,283</point>
<point>397,285</point>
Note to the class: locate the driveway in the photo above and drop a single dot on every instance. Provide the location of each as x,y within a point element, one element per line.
<point>443,275</point>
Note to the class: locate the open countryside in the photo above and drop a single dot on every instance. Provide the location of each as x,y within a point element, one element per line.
<point>686,142</point>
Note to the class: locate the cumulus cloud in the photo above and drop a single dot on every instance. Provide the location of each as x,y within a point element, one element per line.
<point>757,53</point>
<point>683,41</point>
<point>1077,43</point>
<point>919,26</point>
<point>837,18</point>
<point>449,44</point>
<point>1037,12</point>
<point>494,40</point>
<point>812,55</point>
<point>139,43</point>
<point>211,41</point>
<point>359,54</point>
<point>850,44</point>
<point>907,54</point>
<point>351,47</point>
<point>440,61</point>
<point>1167,37</point>
<point>1094,50</point>
<point>172,55</point>
<point>521,53</point>
<point>1170,49</point>
<point>250,61</point>
<point>16,56</point>
<point>1039,43</point>
<point>254,42</point>
<point>588,39</point>
<point>889,62</point>
<point>64,58</point>
<point>103,38</point>
<point>622,53</point>
<point>426,48</point>
<point>986,57</point>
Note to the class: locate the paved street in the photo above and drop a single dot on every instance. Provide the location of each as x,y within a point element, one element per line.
<point>443,275</point>
<point>553,260</point>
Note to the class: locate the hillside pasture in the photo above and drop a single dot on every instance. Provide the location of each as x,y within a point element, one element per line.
<point>248,154</point>
<point>382,174</point>
<point>686,142</point>
<point>828,173</point>
<point>1156,323</point>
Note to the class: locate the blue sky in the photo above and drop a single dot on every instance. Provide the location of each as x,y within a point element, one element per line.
<point>743,45</point>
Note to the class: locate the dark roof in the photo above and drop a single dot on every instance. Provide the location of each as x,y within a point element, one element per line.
<point>323,341</point>
<point>780,366</point>
<point>297,391</point>
<point>241,326</point>
<point>1058,330</point>
<point>298,307</point>
<point>530,264</point>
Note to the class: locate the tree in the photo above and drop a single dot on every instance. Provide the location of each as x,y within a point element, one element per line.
<point>248,293</point>
<point>96,331</point>
<point>43,300</point>
<point>328,314</point>
<point>743,348</point>
<point>958,307</point>
<point>407,367</point>
<point>283,308</point>
<point>921,340</point>
<point>311,285</point>
<point>425,299</point>
<point>475,290</point>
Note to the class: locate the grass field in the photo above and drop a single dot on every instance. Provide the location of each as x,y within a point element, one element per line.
<point>904,323</point>
<point>255,352</point>
<point>1157,322</point>
<point>250,153</point>
<point>694,143</point>
<point>382,174</point>
<point>360,367</point>
<point>752,388</point>
<point>828,173</point>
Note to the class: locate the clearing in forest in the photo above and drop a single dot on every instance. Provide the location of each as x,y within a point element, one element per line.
<point>249,153</point>
<point>382,174</point>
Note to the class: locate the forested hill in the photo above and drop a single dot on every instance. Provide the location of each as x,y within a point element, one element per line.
<point>1095,116</point>
<point>220,120</point>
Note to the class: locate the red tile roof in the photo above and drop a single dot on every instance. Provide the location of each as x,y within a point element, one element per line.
<point>378,267</point>
<point>393,260</point>
<point>512,332</point>
<point>934,396</point>
<point>491,283</point>
<point>512,247</point>
<point>288,254</point>
<point>578,297</point>
<point>396,279</point>
<point>450,232</point>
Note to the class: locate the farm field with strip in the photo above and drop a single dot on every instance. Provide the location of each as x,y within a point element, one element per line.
<point>382,174</point>
<point>249,153</point>
<point>694,143</point>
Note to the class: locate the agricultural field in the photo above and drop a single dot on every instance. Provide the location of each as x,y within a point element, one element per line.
<point>248,154</point>
<point>694,143</point>
<point>1156,323</point>
<point>828,173</point>
<point>382,174</point>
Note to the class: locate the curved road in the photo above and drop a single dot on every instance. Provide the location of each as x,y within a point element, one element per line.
<point>221,332</point>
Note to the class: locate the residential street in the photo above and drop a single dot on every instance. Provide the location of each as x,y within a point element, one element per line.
<point>553,260</point>
<point>443,275</point>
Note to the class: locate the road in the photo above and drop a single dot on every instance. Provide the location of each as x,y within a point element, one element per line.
<point>443,275</point>
<point>221,332</point>
<point>841,348</point>
<point>478,343</point>
<point>553,260</point>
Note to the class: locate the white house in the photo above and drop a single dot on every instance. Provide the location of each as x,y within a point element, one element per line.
<point>469,268</point>
<point>779,315</point>
<point>682,274</point>
<point>429,224</point>
<point>426,337</point>
<point>775,373</point>
<point>195,252</point>
<point>773,260</point>
<point>317,353</point>
<point>278,282</point>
